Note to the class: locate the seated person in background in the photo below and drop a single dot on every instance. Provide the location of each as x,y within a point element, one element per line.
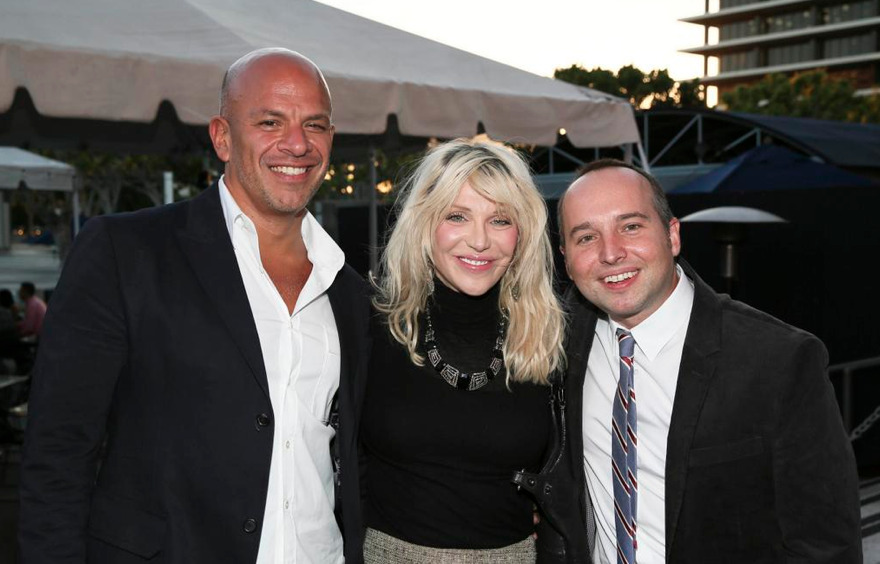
<point>8,331</point>
<point>7,313</point>
<point>34,311</point>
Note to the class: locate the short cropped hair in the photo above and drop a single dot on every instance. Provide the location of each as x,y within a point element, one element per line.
<point>29,288</point>
<point>661,203</point>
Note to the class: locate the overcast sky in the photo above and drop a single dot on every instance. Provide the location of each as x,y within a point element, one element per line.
<point>541,36</point>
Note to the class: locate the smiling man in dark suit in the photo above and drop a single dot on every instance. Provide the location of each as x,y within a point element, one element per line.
<point>214,345</point>
<point>704,430</point>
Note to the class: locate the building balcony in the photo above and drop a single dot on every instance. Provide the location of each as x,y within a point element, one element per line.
<point>769,39</point>
<point>758,72</point>
<point>740,13</point>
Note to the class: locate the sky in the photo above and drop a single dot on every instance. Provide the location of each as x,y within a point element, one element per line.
<point>540,36</point>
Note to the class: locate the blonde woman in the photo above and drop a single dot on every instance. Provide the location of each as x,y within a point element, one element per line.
<point>466,335</point>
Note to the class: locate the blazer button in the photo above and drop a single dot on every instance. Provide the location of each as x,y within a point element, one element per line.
<point>262,421</point>
<point>250,525</point>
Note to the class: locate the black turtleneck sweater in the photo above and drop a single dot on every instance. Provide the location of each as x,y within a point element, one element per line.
<point>440,459</point>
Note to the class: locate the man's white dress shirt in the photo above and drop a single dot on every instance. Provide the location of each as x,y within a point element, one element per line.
<point>301,356</point>
<point>659,345</point>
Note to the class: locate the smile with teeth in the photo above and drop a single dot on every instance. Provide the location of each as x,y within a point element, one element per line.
<point>473,262</point>
<point>289,170</point>
<point>620,277</point>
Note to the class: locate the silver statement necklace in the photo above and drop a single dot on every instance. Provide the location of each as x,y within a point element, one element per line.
<point>455,377</point>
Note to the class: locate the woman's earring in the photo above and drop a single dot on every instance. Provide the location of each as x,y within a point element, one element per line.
<point>514,288</point>
<point>430,278</point>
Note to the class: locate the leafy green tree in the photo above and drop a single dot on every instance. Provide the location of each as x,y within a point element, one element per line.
<point>350,179</point>
<point>690,94</point>
<point>812,94</point>
<point>598,78</point>
<point>633,84</point>
<point>106,183</point>
<point>110,183</point>
<point>652,89</point>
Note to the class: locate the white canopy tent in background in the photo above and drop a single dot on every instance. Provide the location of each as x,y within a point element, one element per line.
<point>37,172</point>
<point>23,169</point>
<point>118,59</point>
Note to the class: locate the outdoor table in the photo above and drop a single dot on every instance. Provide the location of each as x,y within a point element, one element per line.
<point>7,432</point>
<point>6,381</point>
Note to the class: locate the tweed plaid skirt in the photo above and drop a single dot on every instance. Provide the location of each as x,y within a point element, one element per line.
<point>380,548</point>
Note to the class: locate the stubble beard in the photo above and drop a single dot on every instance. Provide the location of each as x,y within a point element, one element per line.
<point>280,207</point>
<point>252,179</point>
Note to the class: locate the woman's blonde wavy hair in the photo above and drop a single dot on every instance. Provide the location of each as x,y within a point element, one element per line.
<point>533,347</point>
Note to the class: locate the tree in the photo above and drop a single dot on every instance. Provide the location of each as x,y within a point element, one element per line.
<point>598,78</point>
<point>112,183</point>
<point>644,90</point>
<point>812,94</point>
<point>350,180</point>
<point>690,94</point>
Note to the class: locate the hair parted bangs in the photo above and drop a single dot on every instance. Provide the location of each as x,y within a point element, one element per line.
<point>533,347</point>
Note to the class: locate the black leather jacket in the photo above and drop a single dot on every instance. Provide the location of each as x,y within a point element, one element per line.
<point>567,526</point>
<point>559,493</point>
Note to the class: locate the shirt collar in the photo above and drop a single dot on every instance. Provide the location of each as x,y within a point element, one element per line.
<point>652,334</point>
<point>231,211</point>
<point>324,254</point>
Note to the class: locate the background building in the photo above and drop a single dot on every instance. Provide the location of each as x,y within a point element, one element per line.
<point>753,38</point>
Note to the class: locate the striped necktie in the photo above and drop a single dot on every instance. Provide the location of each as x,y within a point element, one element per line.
<point>623,453</point>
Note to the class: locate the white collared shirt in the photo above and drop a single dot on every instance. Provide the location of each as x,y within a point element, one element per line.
<point>659,345</point>
<point>301,356</point>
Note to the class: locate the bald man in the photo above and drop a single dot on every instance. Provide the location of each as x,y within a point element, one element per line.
<point>197,390</point>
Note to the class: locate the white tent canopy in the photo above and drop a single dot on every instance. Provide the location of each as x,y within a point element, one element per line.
<point>37,172</point>
<point>118,59</point>
<point>18,166</point>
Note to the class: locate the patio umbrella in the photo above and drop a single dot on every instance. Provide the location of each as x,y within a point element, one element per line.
<point>770,167</point>
<point>730,224</point>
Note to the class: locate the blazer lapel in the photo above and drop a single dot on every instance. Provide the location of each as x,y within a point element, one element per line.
<point>205,241</point>
<point>582,328</point>
<point>582,320</point>
<point>580,336</point>
<point>696,371</point>
<point>349,317</point>
<point>342,311</point>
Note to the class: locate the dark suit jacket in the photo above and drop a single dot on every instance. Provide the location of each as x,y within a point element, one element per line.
<point>150,343</point>
<point>758,467</point>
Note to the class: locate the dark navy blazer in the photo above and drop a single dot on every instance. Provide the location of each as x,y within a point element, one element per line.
<point>150,434</point>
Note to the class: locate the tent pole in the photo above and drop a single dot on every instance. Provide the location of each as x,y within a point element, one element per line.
<point>168,186</point>
<point>75,212</point>
<point>5,227</point>
<point>374,220</point>
<point>643,157</point>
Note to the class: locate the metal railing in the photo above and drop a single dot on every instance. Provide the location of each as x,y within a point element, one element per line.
<point>846,370</point>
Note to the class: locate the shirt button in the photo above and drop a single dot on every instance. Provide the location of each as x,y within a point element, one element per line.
<point>250,525</point>
<point>286,504</point>
<point>287,444</point>
<point>262,421</point>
